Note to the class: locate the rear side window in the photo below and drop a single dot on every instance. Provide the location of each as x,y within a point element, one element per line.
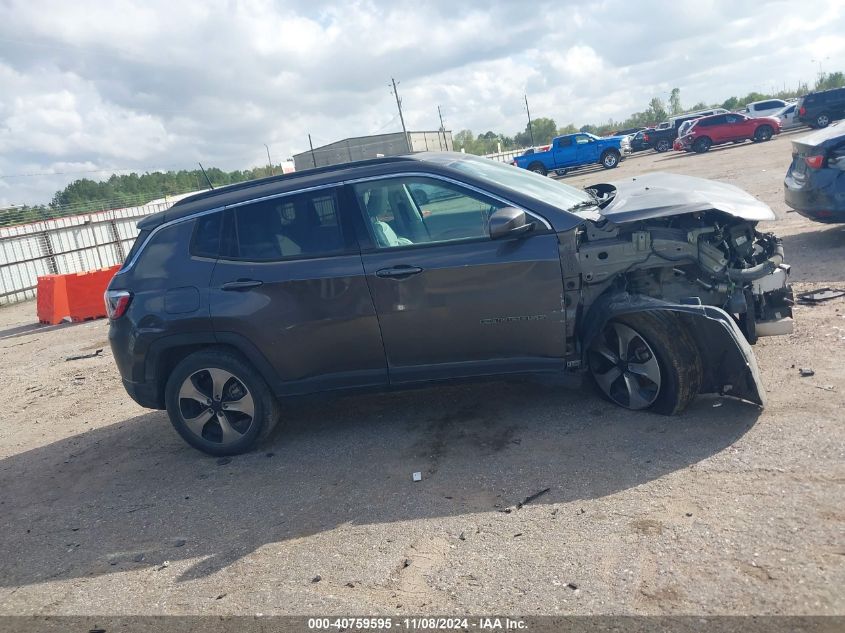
<point>206,240</point>
<point>306,225</point>
<point>136,246</point>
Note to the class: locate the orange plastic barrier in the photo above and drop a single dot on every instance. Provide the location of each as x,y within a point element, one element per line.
<point>85,293</point>
<point>52,299</point>
<point>78,296</point>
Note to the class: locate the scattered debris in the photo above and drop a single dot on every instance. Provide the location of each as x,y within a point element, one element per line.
<point>317,578</point>
<point>718,403</point>
<point>417,476</point>
<point>462,536</point>
<point>572,585</point>
<point>221,596</point>
<point>406,563</point>
<point>806,371</point>
<point>689,514</point>
<point>164,565</point>
<point>269,454</point>
<point>517,535</point>
<point>139,558</point>
<point>813,297</point>
<point>825,387</point>
<point>224,460</point>
<point>179,543</point>
<point>351,585</point>
<point>531,498</point>
<point>99,352</point>
<point>96,631</point>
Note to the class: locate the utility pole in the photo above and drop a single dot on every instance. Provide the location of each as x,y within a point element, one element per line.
<point>269,162</point>
<point>311,145</point>
<point>530,129</point>
<point>443,128</point>
<point>401,118</point>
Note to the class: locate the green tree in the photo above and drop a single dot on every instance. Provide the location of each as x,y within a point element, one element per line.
<point>731,103</point>
<point>657,109</point>
<point>675,106</point>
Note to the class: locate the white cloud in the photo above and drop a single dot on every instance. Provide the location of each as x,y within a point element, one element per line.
<point>158,84</point>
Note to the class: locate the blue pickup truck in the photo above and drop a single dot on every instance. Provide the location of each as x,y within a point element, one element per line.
<point>576,150</point>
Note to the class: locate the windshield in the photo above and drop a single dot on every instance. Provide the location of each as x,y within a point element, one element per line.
<point>528,183</point>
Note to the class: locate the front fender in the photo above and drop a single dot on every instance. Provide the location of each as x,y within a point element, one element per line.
<point>730,367</point>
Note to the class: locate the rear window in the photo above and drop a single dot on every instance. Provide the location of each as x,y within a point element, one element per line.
<point>136,246</point>
<point>206,240</point>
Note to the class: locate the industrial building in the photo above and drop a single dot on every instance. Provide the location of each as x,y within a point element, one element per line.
<point>364,147</point>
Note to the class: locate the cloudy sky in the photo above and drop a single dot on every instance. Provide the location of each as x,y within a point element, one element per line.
<point>92,87</point>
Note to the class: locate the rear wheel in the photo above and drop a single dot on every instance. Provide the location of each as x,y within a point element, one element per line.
<point>219,404</point>
<point>763,133</point>
<point>538,168</point>
<point>702,145</point>
<point>822,120</point>
<point>663,145</point>
<point>646,360</point>
<point>610,159</point>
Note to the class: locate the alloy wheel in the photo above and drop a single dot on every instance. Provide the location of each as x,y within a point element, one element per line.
<point>822,120</point>
<point>216,406</point>
<point>625,367</point>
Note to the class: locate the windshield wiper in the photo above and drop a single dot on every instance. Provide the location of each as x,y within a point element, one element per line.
<point>584,204</point>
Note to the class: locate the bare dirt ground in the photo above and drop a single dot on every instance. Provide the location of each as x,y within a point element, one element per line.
<point>724,510</point>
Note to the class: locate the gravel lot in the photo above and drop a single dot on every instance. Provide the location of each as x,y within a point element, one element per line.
<point>724,510</point>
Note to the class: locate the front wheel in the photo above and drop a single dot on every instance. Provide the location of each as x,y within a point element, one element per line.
<point>701,145</point>
<point>763,133</point>
<point>646,360</point>
<point>219,404</point>
<point>610,159</point>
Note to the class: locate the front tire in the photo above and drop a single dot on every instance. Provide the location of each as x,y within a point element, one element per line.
<point>610,159</point>
<point>646,360</point>
<point>702,145</point>
<point>763,133</point>
<point>219,403</point>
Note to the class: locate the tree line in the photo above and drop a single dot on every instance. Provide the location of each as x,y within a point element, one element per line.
<point>545,129</point>
<point>86,195</point>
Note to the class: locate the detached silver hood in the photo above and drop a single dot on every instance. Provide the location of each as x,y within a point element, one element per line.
<point>658,195</point>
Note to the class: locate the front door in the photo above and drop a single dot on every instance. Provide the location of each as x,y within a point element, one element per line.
<point>451,301</point>
<point>587,151</point>
<point>290,283</point>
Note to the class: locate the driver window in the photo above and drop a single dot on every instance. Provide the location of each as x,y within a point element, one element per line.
<point>581,139</point>
<point>408,211</point>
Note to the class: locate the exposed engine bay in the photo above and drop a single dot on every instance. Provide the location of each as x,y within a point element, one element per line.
<point>709,257</point>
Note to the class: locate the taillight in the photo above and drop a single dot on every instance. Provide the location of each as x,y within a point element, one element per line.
<point>646,137</point>
<point>816,162</point>
<point>802,110</point>
<point>117,301</point>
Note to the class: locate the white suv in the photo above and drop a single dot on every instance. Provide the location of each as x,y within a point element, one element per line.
<point>765,108</point>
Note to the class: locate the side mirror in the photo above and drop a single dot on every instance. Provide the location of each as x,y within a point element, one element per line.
<point>508,222</point>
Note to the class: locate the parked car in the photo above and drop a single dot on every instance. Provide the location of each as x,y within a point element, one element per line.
<point>819,109</point>
<point>577,150</point>
<point>788,117</point>
<point>346,277</point>
<point>678,145</point>
<point>815,182</point>
<point>663,137</point>
<point>726,128</point>
<point>641,140</point>
<point>764,108</point>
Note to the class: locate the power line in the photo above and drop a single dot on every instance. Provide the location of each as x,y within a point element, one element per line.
<point>401,118</point>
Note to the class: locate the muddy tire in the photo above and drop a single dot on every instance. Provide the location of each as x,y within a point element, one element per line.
<point>219,403</point>
<point>646,360</point>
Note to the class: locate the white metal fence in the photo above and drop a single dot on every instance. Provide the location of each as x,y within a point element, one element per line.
<point>65,245</point>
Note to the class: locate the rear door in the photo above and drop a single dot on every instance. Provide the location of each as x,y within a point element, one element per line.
<point>290,285</point>
<point>451,301</point>
<point>564,152</point>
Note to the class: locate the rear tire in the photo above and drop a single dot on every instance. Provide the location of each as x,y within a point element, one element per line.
<point>219,403</point>
<point>702,145</point>
<point>661,370</point>
<point>662,145</point>
<point>822,120</point>
<point>609,159</point>
<point>538,168</point>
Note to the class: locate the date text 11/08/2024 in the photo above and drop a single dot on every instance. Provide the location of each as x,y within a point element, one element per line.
<point>418,624</point>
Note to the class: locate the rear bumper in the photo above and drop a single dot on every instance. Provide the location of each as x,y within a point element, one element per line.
<point>144,393</point>
<point>821,197</point>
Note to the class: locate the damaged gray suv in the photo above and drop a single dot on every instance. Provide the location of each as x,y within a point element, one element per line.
<point>438,266</point>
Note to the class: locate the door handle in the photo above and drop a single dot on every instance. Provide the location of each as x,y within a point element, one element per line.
<point>241,284</point>
<point>398,272</point>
